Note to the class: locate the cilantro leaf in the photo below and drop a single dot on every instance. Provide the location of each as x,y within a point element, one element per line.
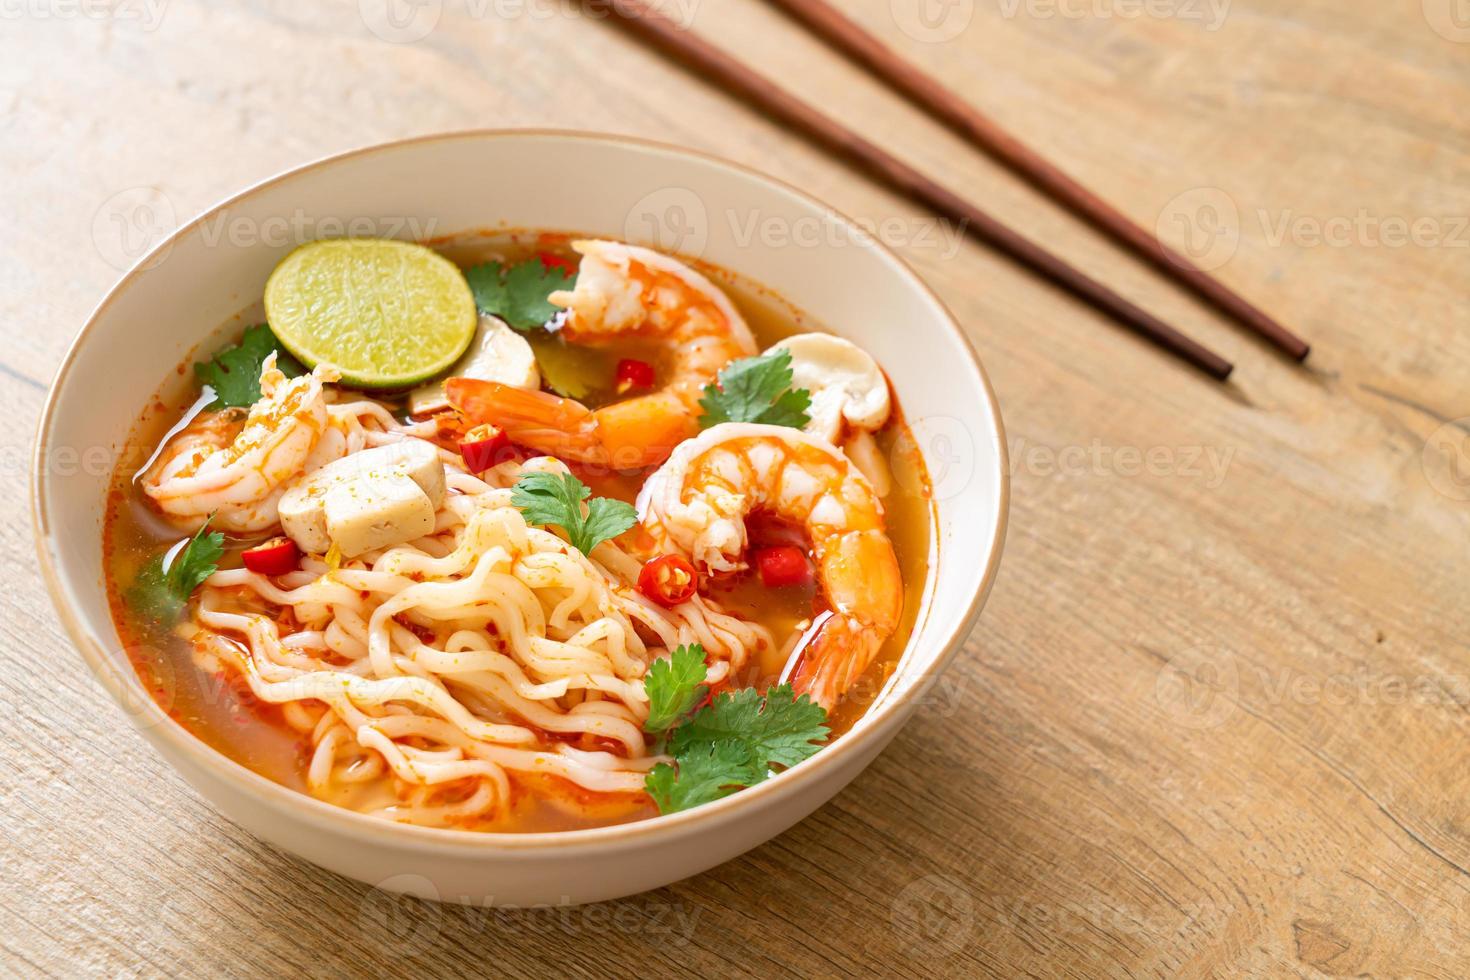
<point>675,685</point>
<point>550,498</point>
<point>789,409</point>
<point>163,586</point>
<point>756,389</point>
<point>234,373</point>
<point>779,728</point>
<point>705,774</point>
<point>197,561</point>
<point>606,519</point>
<point>518,294</point>
<point>733,742</point>
<point>556,499</point>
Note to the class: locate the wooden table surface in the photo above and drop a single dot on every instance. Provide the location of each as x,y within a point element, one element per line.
<point>1214,718</point>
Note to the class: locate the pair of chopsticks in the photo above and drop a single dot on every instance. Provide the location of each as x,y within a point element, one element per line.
<point>847,37</point>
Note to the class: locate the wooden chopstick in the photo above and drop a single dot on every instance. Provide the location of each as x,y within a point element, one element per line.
<point>829,24</point>
<point>714,64</point>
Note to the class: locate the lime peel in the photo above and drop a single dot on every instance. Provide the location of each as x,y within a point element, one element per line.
<point>385,313</point>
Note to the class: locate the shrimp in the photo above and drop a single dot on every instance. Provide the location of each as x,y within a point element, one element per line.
<point>622,291</point>
<point>697,502</point>
<point>237,469</point>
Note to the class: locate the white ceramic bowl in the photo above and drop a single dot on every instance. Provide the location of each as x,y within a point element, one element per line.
<point>216,267</point>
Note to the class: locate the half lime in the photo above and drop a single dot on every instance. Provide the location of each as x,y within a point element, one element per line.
<point>387,314</point>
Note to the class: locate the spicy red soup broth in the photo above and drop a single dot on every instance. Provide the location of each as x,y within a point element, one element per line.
<point>220,709</point>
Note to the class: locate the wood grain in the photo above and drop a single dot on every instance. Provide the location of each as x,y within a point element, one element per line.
<point>949,107</point>
<point>724,69</point>
<point>1212,721</point>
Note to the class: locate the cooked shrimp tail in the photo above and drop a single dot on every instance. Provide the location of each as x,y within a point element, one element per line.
<point>696,505</point>
<point>860,575</point>
<point>629,435</point>
<point>543,421</point>
<point>624,291</point>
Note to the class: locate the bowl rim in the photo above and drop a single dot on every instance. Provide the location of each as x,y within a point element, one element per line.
<point>878,718</point>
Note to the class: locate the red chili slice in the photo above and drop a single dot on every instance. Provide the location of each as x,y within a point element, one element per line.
<point>668,580</point>
<point>276,557</point>
<point>483,447</point>
<point>632,374</point>
<point>783,565</point>
<point>552,261</point>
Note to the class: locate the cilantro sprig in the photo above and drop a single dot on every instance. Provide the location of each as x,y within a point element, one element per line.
<point>674,685</point>
<point>756,389</point>
<point>234,373</point>
<point>705,774</point>
<point>517,294</point>
<point>556,499</point>
<point>728,744</point>
<point>777,727</point>
<point>163,586</point>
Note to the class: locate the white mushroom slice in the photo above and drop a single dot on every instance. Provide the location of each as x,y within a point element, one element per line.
<point>497,353</point>
<point>370,500</point>
<point>846,384</point>
<point>866,455</point>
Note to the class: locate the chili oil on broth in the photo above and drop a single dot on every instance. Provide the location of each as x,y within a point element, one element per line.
<point>220,709</point>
